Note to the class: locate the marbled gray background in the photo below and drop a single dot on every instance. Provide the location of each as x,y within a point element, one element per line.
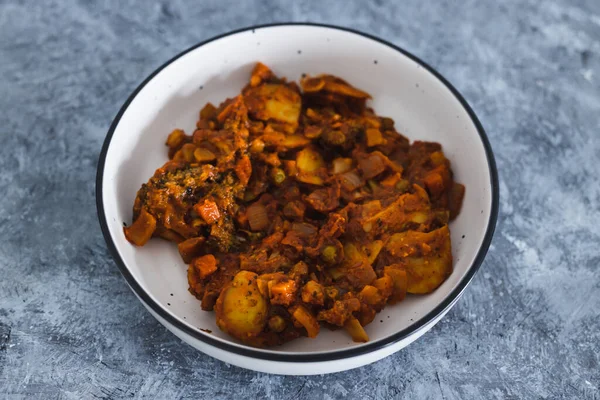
<point>527,327</point>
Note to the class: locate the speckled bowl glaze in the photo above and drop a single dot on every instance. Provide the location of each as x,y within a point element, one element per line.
<point>423,104</point>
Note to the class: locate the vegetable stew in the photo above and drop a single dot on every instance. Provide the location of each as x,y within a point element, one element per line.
<point>296,207</point>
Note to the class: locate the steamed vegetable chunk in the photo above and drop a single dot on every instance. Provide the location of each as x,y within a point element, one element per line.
<point>426,257</point>
<point>276,102</point>
<point>297,207</point>
<point>241,309</point>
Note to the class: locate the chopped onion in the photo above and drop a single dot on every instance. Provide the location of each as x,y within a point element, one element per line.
<point>372,165</point>
<point>351,181</point>
<point>304,229</point>
<point>257,217</point>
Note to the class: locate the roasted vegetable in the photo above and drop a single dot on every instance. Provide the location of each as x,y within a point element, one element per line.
<point>304,318</point>
<point>191,248</point>
<point>241,309</point>
<point>274,102</point>
<point>356,331</point>
<point>142,229</point>
<point>426,257</point>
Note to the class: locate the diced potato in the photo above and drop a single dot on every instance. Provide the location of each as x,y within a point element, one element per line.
<point>274,101</point>
<point>372,296</point>
<point>356,331</point>
<point>372,249</point>
<point>282,291</point>
<point>205,265</point>
<point>400,280</point>
<point>191,248</point>
<point>307,320</point>
<point>385,285</point>
<point>204,155</point>
<point>294,141</point>
<point>309,160</point>
<point>313,293</point>
<point>426,257</point>
<point>240,309</point>
<point>309,178</point>
<point>142,228</point>
<point>425,275</point>
<point>374,137</point>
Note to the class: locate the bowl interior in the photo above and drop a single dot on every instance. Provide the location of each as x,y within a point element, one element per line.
<point>420,104</point>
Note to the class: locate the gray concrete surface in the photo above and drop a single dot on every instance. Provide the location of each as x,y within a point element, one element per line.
<point>527,327</point>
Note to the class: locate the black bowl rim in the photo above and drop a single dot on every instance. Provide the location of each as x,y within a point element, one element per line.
<point>315,356</point>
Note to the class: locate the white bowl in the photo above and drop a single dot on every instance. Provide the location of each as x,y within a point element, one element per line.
<point>423,105</point>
